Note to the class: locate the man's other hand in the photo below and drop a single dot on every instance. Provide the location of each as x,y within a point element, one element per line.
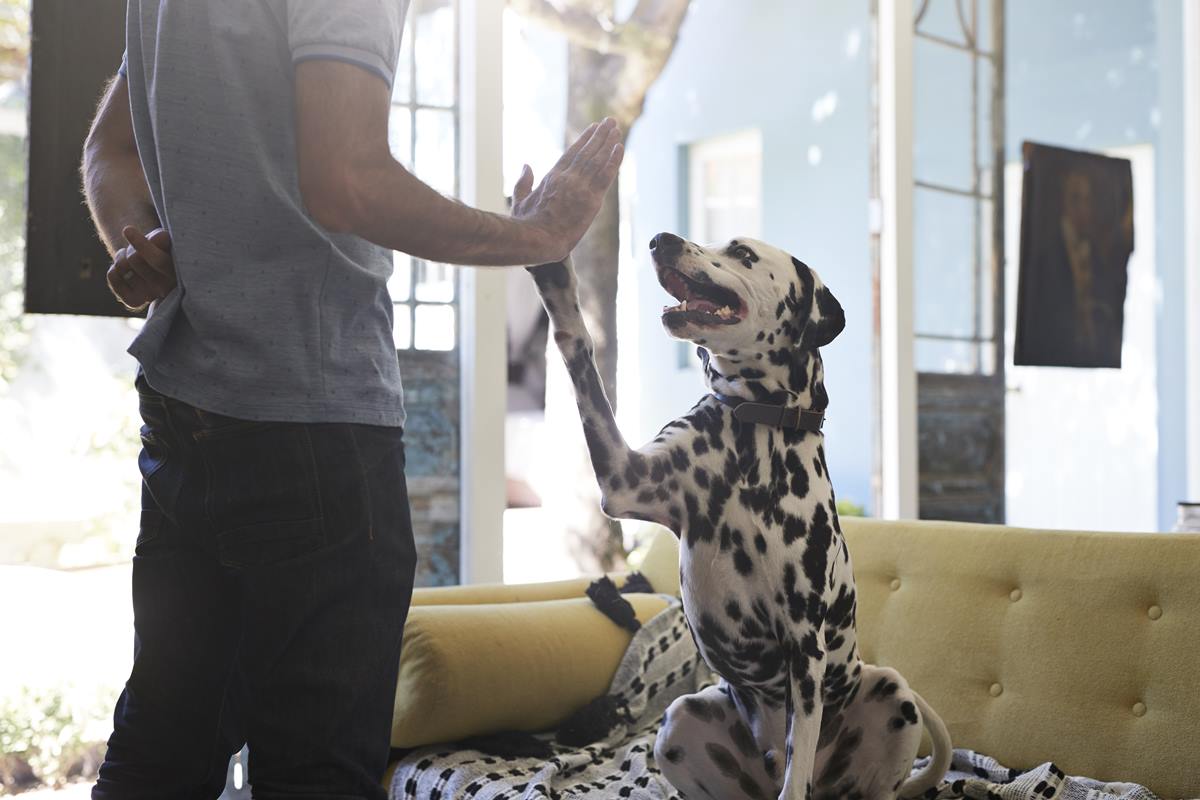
<point>567,200</point>
<point>143,271</point>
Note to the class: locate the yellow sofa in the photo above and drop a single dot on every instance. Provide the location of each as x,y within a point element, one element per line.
<point>1082,648</point>
<point>1033,645</point>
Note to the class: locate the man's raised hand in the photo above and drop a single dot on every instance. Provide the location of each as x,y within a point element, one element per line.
<point>568,198</point>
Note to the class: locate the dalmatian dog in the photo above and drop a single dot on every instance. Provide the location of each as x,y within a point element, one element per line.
<point>766,577</point>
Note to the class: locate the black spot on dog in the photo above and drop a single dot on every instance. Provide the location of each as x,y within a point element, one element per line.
<point>743,739</point>
<point>702,710</point>
<point>723,759</point>
<point>733,610</point>
<point>838,764</point>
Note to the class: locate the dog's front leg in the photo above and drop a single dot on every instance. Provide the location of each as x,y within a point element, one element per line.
<point>805,711</point>
<point>631,481</point>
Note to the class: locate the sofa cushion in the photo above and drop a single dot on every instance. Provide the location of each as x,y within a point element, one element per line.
<point>470,670</point>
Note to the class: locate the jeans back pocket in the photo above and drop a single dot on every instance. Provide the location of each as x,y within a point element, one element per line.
<point>263,497</point>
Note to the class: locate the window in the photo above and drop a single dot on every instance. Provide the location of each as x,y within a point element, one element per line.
<point>724,197</point>
<point>955,144</point>
<point>423,134</point>
<point>725,187</point>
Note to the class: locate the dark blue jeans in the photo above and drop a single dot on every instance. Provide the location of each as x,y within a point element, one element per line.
<point>272,576</point>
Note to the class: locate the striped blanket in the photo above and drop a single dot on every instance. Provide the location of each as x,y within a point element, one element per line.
<point>661,664</point>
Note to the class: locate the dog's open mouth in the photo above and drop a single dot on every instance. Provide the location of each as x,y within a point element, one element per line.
<point>700,303</point>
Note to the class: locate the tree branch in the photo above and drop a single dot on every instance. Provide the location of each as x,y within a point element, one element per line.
<point>580,27</point>
<point>665,16</point>
<point>650,31</point>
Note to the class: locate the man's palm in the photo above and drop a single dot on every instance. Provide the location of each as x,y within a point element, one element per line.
<point>569,196</point>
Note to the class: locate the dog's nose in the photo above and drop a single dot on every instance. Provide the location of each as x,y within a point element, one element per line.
<point>666,244</point>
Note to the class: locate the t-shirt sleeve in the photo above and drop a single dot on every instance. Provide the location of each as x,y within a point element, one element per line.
<point>361,32</point>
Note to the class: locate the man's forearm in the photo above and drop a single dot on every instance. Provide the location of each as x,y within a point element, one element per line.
<point>113,180</point>
<point>117,195</point>
<point>389,206</point>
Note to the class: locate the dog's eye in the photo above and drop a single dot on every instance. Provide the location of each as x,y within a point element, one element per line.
<point>741,251</point>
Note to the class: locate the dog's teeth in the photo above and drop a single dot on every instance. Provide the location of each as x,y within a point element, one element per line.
<point>683,306</point>
<point>724,312</point>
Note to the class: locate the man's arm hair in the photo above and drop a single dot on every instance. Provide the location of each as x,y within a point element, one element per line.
<point>350,182</point>
<point>114,183</point>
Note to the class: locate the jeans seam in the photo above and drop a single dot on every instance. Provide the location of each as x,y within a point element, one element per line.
<point>362,471</point>
<point>316,473</point>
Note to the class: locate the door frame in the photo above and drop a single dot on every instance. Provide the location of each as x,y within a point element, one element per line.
<point>1191,182</point>
<point>896,393</point>
<point>483,375</point>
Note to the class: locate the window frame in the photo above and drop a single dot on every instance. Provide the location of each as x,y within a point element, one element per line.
<point>407,310</point>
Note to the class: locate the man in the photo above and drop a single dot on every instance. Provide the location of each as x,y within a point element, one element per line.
<point>238,170</point>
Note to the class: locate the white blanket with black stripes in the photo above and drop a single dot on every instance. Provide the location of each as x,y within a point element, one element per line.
<point>661,664</point>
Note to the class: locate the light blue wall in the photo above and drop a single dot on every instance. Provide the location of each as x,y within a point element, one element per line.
<point>763,64</point>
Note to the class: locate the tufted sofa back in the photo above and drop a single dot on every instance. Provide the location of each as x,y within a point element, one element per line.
<point>1082,648</point>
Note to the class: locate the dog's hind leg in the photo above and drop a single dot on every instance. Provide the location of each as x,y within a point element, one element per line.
<point>871,752</point>
<point>706,749</point>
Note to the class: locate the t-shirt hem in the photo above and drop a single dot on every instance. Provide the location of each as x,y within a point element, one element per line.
<point>270,412</point>
<point>321,51</point>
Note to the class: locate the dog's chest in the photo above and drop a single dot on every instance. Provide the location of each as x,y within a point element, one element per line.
<point>765,570</point>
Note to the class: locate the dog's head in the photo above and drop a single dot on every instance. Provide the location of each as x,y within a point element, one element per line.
<point>744,297</point>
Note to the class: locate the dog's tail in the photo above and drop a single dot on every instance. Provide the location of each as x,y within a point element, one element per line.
<point>940,762</point>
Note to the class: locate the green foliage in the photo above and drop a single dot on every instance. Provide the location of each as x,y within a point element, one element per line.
<point>15,326</point>
<point>848,508</point>
<point>49,735</point>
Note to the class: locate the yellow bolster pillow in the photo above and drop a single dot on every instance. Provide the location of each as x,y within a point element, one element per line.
<point>471,670</point>
<point>480,593</point>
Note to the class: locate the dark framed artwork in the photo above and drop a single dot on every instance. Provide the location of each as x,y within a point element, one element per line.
<point>1076,239</point>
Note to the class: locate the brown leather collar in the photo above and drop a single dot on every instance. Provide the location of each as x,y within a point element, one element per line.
<point>773,415</point>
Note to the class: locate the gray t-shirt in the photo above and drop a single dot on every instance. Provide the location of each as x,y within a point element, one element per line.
<point>274,318</point>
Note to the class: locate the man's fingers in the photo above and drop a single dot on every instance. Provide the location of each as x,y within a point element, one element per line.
<point>578,144</point>
<point>134,282</point>
<point>150,252</point>
<point>524,185</point>
<point>129,289</point>
<point>596,142</point>
<point>160,238</point>
<point>158,283</point>
<point>604,176</point>
<point>599,161</point>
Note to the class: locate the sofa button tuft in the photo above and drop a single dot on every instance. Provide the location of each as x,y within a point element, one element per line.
<point>996,690</point>
<point>1154,612</point>
<point>1014,595</point>
<point>895,584</point>
<point>1139,709</point>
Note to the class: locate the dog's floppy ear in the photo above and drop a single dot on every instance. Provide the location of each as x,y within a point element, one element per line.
<point>702,354</point>
<point>828,319</point>
<point>825,318</point>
